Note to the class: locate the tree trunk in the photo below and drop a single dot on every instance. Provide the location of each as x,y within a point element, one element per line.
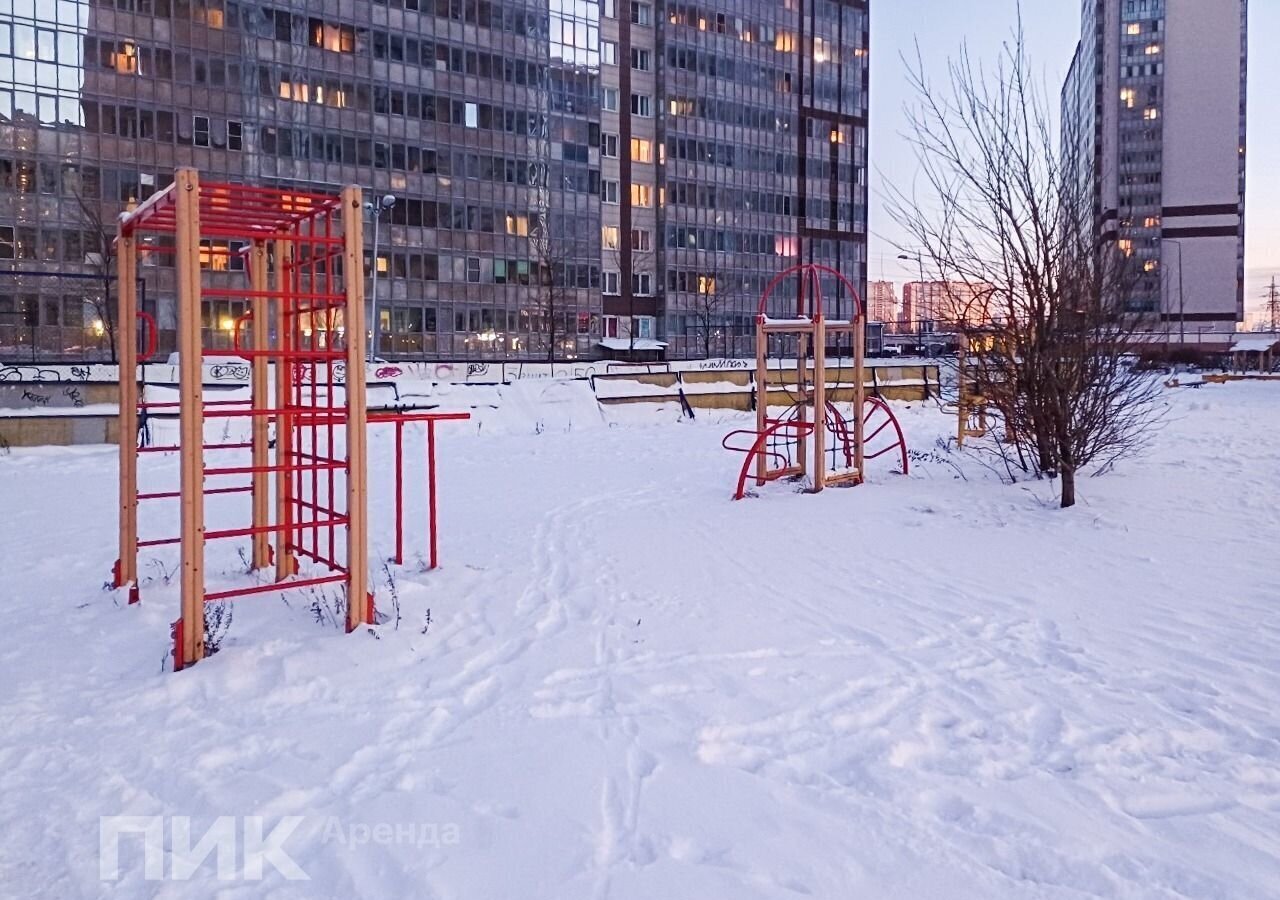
<point>1068,487</point>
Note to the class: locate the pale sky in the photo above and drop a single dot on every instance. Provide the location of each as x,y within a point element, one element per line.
<point>1052,28</point>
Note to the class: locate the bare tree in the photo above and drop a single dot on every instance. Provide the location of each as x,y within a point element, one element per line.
<point>715,291</point>
<point>1006,212</point>
<point>100,257</point>
<point>551,256</point>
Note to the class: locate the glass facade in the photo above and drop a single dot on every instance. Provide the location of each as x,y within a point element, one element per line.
<point>513,137</point>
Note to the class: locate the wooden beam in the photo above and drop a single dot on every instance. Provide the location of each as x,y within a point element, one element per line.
<point>126,334</point>
<point>357,410</point>
<point>859,390</point>
<point>762,393</point>
<point>286,563</point>
<point>261,391</point>
<point>819,403</point>
<point>191,426</point>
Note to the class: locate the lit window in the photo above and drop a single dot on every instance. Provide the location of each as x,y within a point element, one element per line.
<point>642,195</point>
<point>518,225</point>
<point>1133,28</point>
<point>609,237</point>
<point>1151,114</point>
<point>784,42</point>
<point>641,150</point>
<point>125,59</point>
<point>1153,49</point>
<point>1128,96</point>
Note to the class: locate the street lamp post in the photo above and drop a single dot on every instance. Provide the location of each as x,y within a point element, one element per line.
<point>375,326</point>
<point>1182,311</point>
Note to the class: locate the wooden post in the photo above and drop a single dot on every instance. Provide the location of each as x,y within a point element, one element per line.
<point>357,410</point>
<point>762,392</point>
<point>286,564</point>
<point>819,402</point>
<point>802,409</point>
<point>127,354</point>
<point>190,382</point>
<point>859,387</point>
<point>261,401</point>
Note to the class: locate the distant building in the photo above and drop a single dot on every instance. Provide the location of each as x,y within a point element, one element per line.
<point>882,302</point>
<point>1153,114</point>
<point>942,305</point>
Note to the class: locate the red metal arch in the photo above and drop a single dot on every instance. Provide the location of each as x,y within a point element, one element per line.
<point>809,277</point>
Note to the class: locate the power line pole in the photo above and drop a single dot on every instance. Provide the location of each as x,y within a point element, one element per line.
<point>1273,303</point>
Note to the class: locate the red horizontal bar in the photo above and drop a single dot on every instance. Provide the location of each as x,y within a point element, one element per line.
<point>271,529</point>
<point>317,355</point>
<point>277,586</point>
<point>338,417</point>
<point>331,563</point>
<point>417,417</point>
<point>174,447</point>
<point>168,495</point>
<point>247,293</point>
<point>286,467</point>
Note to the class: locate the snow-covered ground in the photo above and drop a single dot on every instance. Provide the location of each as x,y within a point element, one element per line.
<point>632,687</point>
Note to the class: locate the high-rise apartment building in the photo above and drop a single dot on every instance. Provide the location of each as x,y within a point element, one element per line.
<point>1153,114</point>
<point>882,302</point>
<point>944,305</point>
<point>560,170</point>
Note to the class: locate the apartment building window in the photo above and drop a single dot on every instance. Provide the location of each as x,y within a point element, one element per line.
<point>642,195</point>
<point>1150,114</point>
<point>641,13</point>
<point>643,326</point>
<point>1128,96</point>
<point>473,269</point>
<point>610,9</point>
<point>609,237</point>
<point>517,224</point>
<point>609,99</point>
<point>641,239</point>
<point>609,191</point>
<point>642,105</point>
<point>642,284</point>
<point>608,145</point>
<point>235,135</point>
<point>641,60</point>
<point>610,325</point>
<point>612,283</point>
<point>609,53</point>
<point>200,131</point>
<point>641,150</point>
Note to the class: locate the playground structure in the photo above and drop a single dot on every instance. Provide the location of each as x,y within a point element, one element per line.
<point>812,439</point>
<point>306,411</point>
<point>971,406</point>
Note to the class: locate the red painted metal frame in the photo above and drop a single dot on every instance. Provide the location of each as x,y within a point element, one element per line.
<point>310,291</point>
<point>400,419</point>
